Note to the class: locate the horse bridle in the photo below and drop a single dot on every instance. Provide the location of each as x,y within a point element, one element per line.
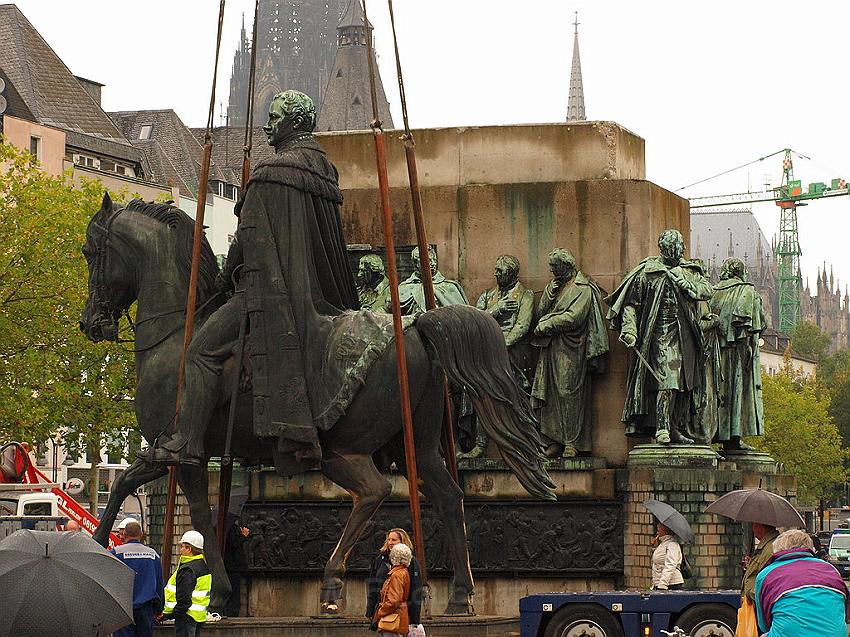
<point>102,300</point>
<point>104,303</point>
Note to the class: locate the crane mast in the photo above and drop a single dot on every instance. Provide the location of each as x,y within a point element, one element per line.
<point>788,195</point>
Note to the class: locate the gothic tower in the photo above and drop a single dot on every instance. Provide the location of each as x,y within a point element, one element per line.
<point>575,105</point>
<point>296,43</point>
<point>348,99</point>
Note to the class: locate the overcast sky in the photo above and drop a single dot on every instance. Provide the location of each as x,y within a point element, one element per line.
<point>708,85</point>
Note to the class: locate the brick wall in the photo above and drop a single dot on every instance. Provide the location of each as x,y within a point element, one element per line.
<point>718,548</point>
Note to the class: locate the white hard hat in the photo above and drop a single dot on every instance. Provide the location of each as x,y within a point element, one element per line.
<point>123,524</point>
<point>193,538</point>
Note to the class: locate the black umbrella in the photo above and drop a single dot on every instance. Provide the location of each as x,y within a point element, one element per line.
<point>62,584</point>
<point>671,518</point>
<point>757,505</point>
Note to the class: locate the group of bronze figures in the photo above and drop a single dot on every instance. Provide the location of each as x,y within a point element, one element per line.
<point>695,375</point>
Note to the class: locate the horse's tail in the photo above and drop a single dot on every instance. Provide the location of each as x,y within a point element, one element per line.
<point>469,347</point>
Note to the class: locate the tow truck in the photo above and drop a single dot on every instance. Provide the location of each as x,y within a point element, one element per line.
<point>630,614</point>
<point>29,500</point>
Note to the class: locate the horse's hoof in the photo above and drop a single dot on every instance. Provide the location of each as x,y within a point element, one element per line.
<point>330,608</point>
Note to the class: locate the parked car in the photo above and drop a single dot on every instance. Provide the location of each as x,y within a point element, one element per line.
<point>839,551</point>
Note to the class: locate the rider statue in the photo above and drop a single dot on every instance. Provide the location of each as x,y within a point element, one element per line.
<point>294,277</point>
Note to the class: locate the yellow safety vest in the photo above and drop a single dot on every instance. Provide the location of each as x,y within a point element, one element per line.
<point>200,596</point>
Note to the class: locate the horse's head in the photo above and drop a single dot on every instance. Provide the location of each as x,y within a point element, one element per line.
<point>110,278</point>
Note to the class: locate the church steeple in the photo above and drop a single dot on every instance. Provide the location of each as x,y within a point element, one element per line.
<point>575,105</point>
<point>347,103</point>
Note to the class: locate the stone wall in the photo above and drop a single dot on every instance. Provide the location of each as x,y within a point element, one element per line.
<point>521,190</point>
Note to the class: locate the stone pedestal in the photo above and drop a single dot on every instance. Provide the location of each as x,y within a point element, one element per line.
<point>689,479</point>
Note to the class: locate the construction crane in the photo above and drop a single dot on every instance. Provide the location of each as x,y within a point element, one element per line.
<point>788,196</point>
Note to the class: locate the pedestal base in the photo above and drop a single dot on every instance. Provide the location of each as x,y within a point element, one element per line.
<point>674,455</point>
<point>750,461</point>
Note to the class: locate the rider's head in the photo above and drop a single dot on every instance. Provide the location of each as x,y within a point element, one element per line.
<point>672,246</point>
<point>290,112</point>
<point>432,259</point>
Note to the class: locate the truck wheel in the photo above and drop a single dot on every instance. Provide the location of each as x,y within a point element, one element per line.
<point>583,620</point>
<point>709,620</point>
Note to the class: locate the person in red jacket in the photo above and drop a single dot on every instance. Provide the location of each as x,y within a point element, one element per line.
<point>393,607</point>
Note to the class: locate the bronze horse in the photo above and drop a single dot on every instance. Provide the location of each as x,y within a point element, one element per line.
<point>142,254</point>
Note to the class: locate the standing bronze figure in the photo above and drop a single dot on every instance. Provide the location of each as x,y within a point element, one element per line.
<point>512,305</point>
<point>373,289</point>
<point>412,295</point>
<point>655,311</point>
<point>573,340</point>
<point>741,321</point>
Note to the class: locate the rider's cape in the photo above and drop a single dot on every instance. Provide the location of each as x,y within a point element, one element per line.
<point>296,278</point>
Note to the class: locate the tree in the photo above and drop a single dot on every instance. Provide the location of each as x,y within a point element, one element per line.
<point>51,377</point>
<point>807,340</point>
<point>800,433</point>
<point>834,373</point>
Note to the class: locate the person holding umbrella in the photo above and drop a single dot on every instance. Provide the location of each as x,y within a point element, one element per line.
<point>667,559</point>
<point>765,511</point>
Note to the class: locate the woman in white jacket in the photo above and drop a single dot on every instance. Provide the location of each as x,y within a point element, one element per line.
<point>666,561</point>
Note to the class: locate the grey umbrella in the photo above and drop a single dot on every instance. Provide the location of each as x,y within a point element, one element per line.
<point>671,518</point>
<point>756,505</point>
<point>62,584</point>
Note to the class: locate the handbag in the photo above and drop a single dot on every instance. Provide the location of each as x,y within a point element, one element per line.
<point>747,621</point>
<point>685,568</point>
<point>390,623</point>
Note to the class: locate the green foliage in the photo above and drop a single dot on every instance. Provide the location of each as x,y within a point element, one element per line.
<point>834,373</point>
<point>807,340</point>
<point>800,433</point>
<point>51,377</point>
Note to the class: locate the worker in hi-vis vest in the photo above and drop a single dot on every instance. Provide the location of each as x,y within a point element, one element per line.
<point>187,594</point>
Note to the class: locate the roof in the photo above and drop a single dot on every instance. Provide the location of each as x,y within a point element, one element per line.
<point>714,233</point>
<point>15,105</point>
<point>347,104</point>
<point>228,142</point>
<point>354,16</point>
<point>53,95</point>
<point>173,151</point>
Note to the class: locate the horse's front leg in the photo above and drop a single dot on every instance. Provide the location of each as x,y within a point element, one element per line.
<point>125,484</point>
<point>368,488</point>
<point>195,484</point>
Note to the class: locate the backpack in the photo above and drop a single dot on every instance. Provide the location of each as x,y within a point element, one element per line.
<point>685,568</point>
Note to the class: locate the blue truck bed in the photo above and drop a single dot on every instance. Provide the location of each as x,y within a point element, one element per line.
<point>634,611</point>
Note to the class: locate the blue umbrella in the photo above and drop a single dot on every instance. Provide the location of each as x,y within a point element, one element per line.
<point>62,584</point>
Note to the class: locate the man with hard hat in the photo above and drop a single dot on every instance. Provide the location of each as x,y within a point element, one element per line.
<point>187,594</point>
<point>123,525</point>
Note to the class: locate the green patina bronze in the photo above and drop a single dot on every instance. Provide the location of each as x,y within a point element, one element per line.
<point>741,321</point>
<point>573,342</point>
<point>656,311</point>
<point>373,287</point>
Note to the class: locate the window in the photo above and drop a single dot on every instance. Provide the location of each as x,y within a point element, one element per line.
<point>145,132</point>
<point>37,508</point>
<point>35,147</point>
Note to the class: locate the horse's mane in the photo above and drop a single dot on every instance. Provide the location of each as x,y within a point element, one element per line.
<point>178,220</point>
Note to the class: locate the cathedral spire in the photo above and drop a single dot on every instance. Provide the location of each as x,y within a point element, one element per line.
<point>575,105</point>
<point>347,102</point>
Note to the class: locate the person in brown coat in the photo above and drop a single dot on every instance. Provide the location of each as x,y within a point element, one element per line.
<point>394,594</point>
